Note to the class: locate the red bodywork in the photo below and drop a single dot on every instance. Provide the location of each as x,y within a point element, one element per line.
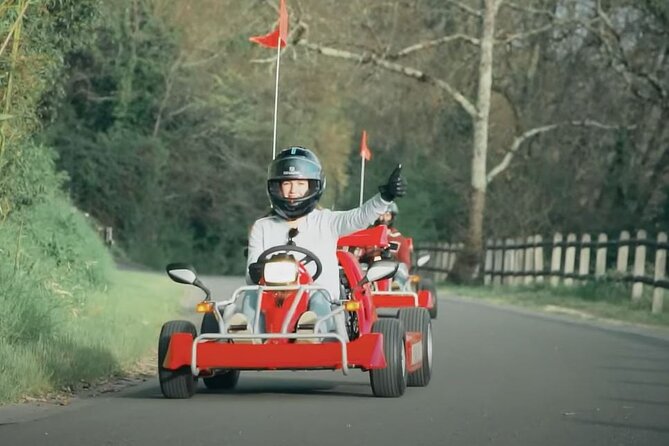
<point>378,238</point>
<point>365,352</point>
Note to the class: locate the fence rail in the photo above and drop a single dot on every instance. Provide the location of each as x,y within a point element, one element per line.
<point>528,260</point>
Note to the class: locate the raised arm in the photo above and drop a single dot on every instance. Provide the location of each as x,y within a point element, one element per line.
<point>359,218</point>
<point>345,222</point>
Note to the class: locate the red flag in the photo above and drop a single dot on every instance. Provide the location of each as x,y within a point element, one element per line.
<point>280,34</point>
<point>364,150</point>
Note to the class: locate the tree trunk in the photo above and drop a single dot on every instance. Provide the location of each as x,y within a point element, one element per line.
<point>468,261</point>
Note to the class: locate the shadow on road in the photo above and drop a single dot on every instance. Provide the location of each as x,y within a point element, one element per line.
<point>254,386</point>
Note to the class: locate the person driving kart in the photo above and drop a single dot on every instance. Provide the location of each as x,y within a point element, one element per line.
<point>295,183</point>
<point>402,252</point>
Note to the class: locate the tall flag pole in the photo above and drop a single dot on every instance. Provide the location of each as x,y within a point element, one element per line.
<point>276,98</point>
<point>365,155</point>
<point>276,39</point>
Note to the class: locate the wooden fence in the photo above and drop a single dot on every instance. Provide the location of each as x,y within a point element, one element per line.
<point>566,260</point>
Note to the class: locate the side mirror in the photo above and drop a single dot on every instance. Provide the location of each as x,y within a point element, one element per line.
<point>394,246</point>
<point>181,273</point>
<point>184,273</point>
<point>382,269</point>
<point>422,260</point>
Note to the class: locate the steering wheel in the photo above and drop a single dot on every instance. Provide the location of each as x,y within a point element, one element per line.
<point>307,259</point>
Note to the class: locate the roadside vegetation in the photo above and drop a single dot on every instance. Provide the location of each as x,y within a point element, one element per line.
<point>594,300</point>
<point>66,313</point>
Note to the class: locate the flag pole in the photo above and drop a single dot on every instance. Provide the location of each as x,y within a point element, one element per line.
<point>276,95</point>
<point>362,178</point>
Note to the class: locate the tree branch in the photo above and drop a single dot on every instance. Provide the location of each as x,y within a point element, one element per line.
<point>519,140</point>
<point>468,9</point>
<point>624,67</point>
<point>396,68</point>
<point>530,10</point>
<point>432,43</point>
<point>540,30</point>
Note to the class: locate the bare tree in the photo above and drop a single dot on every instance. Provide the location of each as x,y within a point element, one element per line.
<point>478,109</point>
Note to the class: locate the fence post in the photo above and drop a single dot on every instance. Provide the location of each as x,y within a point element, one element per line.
<point>519,255</point>
<point>623,252</point>
<point>556,259</point>
<point>539,259</point>
<point>528,268</point>
<point>508,262</point>
<point>435,261</point>
<point>439,264</point>
<point>584,258</point>
<point>600,262</point>
<point>487,269</point>
<point>498,262</point>
<point>639,265</point>
<point>569,259</point>
<point>660,267</point>
<point>458,248</point>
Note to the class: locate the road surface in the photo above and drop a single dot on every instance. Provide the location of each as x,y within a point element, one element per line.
<point>501,377</point>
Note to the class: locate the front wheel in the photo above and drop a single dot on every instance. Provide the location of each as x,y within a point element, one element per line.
<point>418,319</point>
<point>391,381</point>
<point>224,379</point>
<point>178,383</point>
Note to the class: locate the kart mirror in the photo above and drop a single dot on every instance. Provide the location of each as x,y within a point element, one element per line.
<point>422,260</point>
<point>181,273</point>
<point>382,269</point>
<point>184,273</point>
<point>394,246</point>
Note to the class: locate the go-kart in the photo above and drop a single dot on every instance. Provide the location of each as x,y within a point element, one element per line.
<point>413,291</point>
<point>396,351</point>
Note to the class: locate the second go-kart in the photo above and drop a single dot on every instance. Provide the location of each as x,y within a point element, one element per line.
<point>414,291</point>
<point>396,351</point>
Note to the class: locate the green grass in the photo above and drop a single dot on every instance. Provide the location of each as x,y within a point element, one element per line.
<point>66,314</point>
<point>604,300</point>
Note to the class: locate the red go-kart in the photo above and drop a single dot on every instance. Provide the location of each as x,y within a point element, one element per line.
<point>389,292</point>
<point>397,351</point>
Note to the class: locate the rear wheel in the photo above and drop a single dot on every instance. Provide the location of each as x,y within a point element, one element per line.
<point>428,285</point>
<point>392,380</point>
<point>418,319</point>
<point>224,379</point>
<point>178,383</point>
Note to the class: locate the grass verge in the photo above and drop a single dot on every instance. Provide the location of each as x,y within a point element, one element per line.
<point>107,335</point>
<point>594,300</point>
<point>112,331</point>
<point>66,314</point>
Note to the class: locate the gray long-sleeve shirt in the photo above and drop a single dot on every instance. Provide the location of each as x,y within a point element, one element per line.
<point>318,232</point>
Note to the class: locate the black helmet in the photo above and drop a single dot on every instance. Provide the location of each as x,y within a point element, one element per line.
<point>295,163</point>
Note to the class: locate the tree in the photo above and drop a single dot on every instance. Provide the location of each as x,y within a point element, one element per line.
<point>478,110</point>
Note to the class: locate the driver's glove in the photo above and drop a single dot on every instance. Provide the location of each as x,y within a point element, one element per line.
<point>255,271</point>
<point>395,187</point>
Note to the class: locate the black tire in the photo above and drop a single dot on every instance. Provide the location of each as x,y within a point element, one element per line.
<point>418,319</point>
<point>390,382</point>
<point>224,379</point>
<point>178,383</point>
<point>427,284</point>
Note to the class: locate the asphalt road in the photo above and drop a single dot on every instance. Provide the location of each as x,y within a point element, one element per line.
<point>501,377</point>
